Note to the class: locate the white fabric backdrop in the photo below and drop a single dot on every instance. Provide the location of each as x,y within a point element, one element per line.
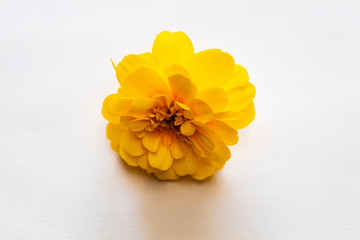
<point>293,175</point>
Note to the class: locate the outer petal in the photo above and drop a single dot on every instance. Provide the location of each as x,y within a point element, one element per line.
<point>113,133</point>
<point>177,148</point>
<point>152,140</point>
<point>240,98</point>
<point>131,62</point>
<point>141,106</point>
<point>203,143</point>
<point>145,82</point>
<point>172,48</point>
<point>215,97</point>
<point>183,89</point>
<point>220,154</point>
<point>161,159</point>
<point>120,105</point>
<point>139,125</point>
<point>131,144</point>
<point>211,68</point>
<point>238,120</point>
<point>187,164</point>
<point>131,160</point>
<point>167,175</point>
<point>224,131</point>
<point>144,164</point>
<point>107,114</point>
<point>239,79</point>
<point>204,169</point>
<point>201,110</point>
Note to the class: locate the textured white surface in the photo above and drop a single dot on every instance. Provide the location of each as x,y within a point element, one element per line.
<point>293,175</point>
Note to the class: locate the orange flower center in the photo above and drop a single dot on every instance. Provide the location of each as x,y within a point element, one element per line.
<point>169,117</point>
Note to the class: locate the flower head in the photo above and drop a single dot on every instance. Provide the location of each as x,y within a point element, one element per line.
<point>176,111</point>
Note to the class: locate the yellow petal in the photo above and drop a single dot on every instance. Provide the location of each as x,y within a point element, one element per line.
<point>202,126</point>
<point>239,79</point>
<point>220,154</point>
<point>138,125</point>
<point>120,105</point>
<point>152,140</point>
<point>187,129</point>
<point>167,175</point>
<point>142,106</point>
<point>113,132</point>
<point>144,164</point>
<point>131,62</point>
<point>131,144</point>
<point>240,98</point>
<point>202,142</point>
<point>125,121</point>
<point>115,146</point>
<point>145,82</point>
<point>177,148</point>
<point>224,131</point>
<point>215,97</point>
<point>183,89</point>
<point>186,110</point>
<point>201,110</point>
<point>162,99</point>
<point>175,69</point>
<point>131,160</point>
<point>211,68</point>
<point>248,117</point>
<point>122,92</point>
<point>172,48</point>
<point>187,164</point>
<point>143,161</point>
<point>161,159</point>
<point>107,114</point>
<point>204,169</point>
<point>238,120</point>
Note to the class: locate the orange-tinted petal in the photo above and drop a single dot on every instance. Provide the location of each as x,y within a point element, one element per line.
<point>177,148</point>
<point>183,89</point>
<point>201,110</point>
<point>161,159</point>
<point>228,134</point>
<point>220,154</point>
<point>204,169</point>
<point>131,144</point>
<point>120,105</point>
<point>131,160</point>
<point>187,129</point>
<point>142,106</point>
<point>187,164</point>
<point>152,140</point>
<point>167,175</point>
<point>138,125</point>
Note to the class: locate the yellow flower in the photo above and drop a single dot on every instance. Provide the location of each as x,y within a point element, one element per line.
<point>176,111</point>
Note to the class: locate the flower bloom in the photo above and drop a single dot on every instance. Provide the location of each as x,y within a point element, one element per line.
<point>177,111</point>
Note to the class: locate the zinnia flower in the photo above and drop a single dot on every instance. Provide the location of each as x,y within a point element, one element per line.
<point>176,111</point>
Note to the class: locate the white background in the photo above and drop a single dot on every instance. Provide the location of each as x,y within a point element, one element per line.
<point>293,175</point>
